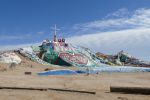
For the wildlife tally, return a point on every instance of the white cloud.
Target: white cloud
(41, 32)
(121, 19)
(15, 47)
(130, 33)
(13, 37)
(123, 12)
(134, 41)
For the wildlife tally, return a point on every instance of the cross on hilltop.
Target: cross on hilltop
(55, 32)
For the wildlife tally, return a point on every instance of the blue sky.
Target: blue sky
(29, 21)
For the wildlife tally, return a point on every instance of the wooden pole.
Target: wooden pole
(70, 90)
(46, 89)
(131, 90)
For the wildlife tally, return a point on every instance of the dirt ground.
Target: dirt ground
(100, 83)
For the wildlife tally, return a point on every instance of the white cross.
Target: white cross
(55, 30)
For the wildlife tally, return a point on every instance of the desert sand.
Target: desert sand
(100, 83)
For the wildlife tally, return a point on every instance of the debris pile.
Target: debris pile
(31, 54)
(9, 57)
(122, 59)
